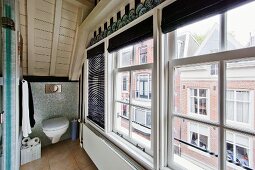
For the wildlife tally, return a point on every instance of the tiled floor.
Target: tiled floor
(65, 155)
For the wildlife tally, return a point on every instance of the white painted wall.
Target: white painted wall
(102, 154)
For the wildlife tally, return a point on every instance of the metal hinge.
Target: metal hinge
(8, 23)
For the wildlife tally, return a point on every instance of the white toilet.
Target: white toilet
(54, 128)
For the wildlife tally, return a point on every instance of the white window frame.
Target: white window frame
(198, 97)
(124, 115)
(122, 89)
(148, 161)
(131, 104)
(249, 147)
(149, 86)
(125, 50)
(198, 132)
(145, 115)
(251, 110)
(221, 58)
(140, 48)
(214, 68)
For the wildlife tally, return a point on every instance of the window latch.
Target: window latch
(8, 23)
(142, 148)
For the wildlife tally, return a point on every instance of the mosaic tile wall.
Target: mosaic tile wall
(52, 105)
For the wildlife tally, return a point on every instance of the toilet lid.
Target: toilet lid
(55, 123)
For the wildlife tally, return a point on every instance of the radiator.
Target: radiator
(102, 154)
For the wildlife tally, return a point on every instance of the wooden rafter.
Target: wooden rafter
(54, 50)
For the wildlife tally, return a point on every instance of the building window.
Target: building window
(238, 149)
(143, 55)
(214, 69)
(133, 98)
(124, 111)
(198, 101)
(199, 136)
(225, 96)
(125, 57)
(124, 83)
(142, 117)
(143, 86)
(238, 106)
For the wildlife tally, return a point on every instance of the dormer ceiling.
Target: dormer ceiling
(49, 30)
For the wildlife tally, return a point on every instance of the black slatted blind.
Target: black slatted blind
(183, 12)
(96, 85)
(137, 33)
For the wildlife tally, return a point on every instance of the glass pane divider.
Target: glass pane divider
(221, 112)
(240, 54)
(194, 119)
(135, 67)
(130, 109)
(134, 105)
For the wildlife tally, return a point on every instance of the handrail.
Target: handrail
(211, 153)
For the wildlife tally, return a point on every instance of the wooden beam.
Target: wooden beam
(30, 35)
(98, 14)
(54, 50)
(75, 40)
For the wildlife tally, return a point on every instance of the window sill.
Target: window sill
(136, 154)
(142, 158)
(247, 126)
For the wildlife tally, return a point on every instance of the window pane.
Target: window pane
(141, 88)
(144, 52)
(141, 126)
(198, 38)
(122, 118)
(196, 92)
(239, 150)
(240, 29)
(141, 53)
(240, 93)
(122, 86)
(192, 142)
(230, 110)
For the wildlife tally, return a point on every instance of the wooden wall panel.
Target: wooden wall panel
(23, 31)
(69, 7)
(67, 32)
(65, 40)
(38, 43)
(40, 50)
(42, 58)
(44, 16)
(65, 47)
(43, 43)
(42, 65)
(45, 6)
(41, 25)
(43, 34)
(63, 60)
(64, 54)
(68, 24)
(68, 15)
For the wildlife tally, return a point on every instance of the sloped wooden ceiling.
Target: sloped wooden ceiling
(49, 30)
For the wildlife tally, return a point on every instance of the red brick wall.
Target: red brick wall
(181, 102)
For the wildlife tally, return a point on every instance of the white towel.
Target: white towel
(26, 128)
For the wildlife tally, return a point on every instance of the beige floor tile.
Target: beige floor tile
(65, 155)
(40, 164)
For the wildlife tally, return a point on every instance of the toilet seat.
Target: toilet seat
(55, 124)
